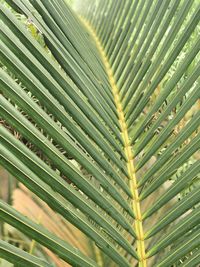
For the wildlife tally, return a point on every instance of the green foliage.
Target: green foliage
(81, 94)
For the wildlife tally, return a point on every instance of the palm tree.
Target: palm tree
(104, 101)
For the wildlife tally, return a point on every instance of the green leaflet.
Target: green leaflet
(175, 188)
(193, 260)
(176, 161)
(40, 234)
(178, 209)
(189, 244)
(169, 87)
(37, 89)
(56, 202)
(113, 94)
(60, 86)
(59, 185)
(155, 17)
(42, 119)
(13, 254)
(179, 229)
(31, 133)
(192, 126)
(171, 57)
(162, 137)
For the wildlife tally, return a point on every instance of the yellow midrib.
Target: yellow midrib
(138, 227)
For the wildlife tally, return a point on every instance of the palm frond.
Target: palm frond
(105, 105)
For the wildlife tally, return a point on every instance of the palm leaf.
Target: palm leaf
(106, 110)
(13, 254)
